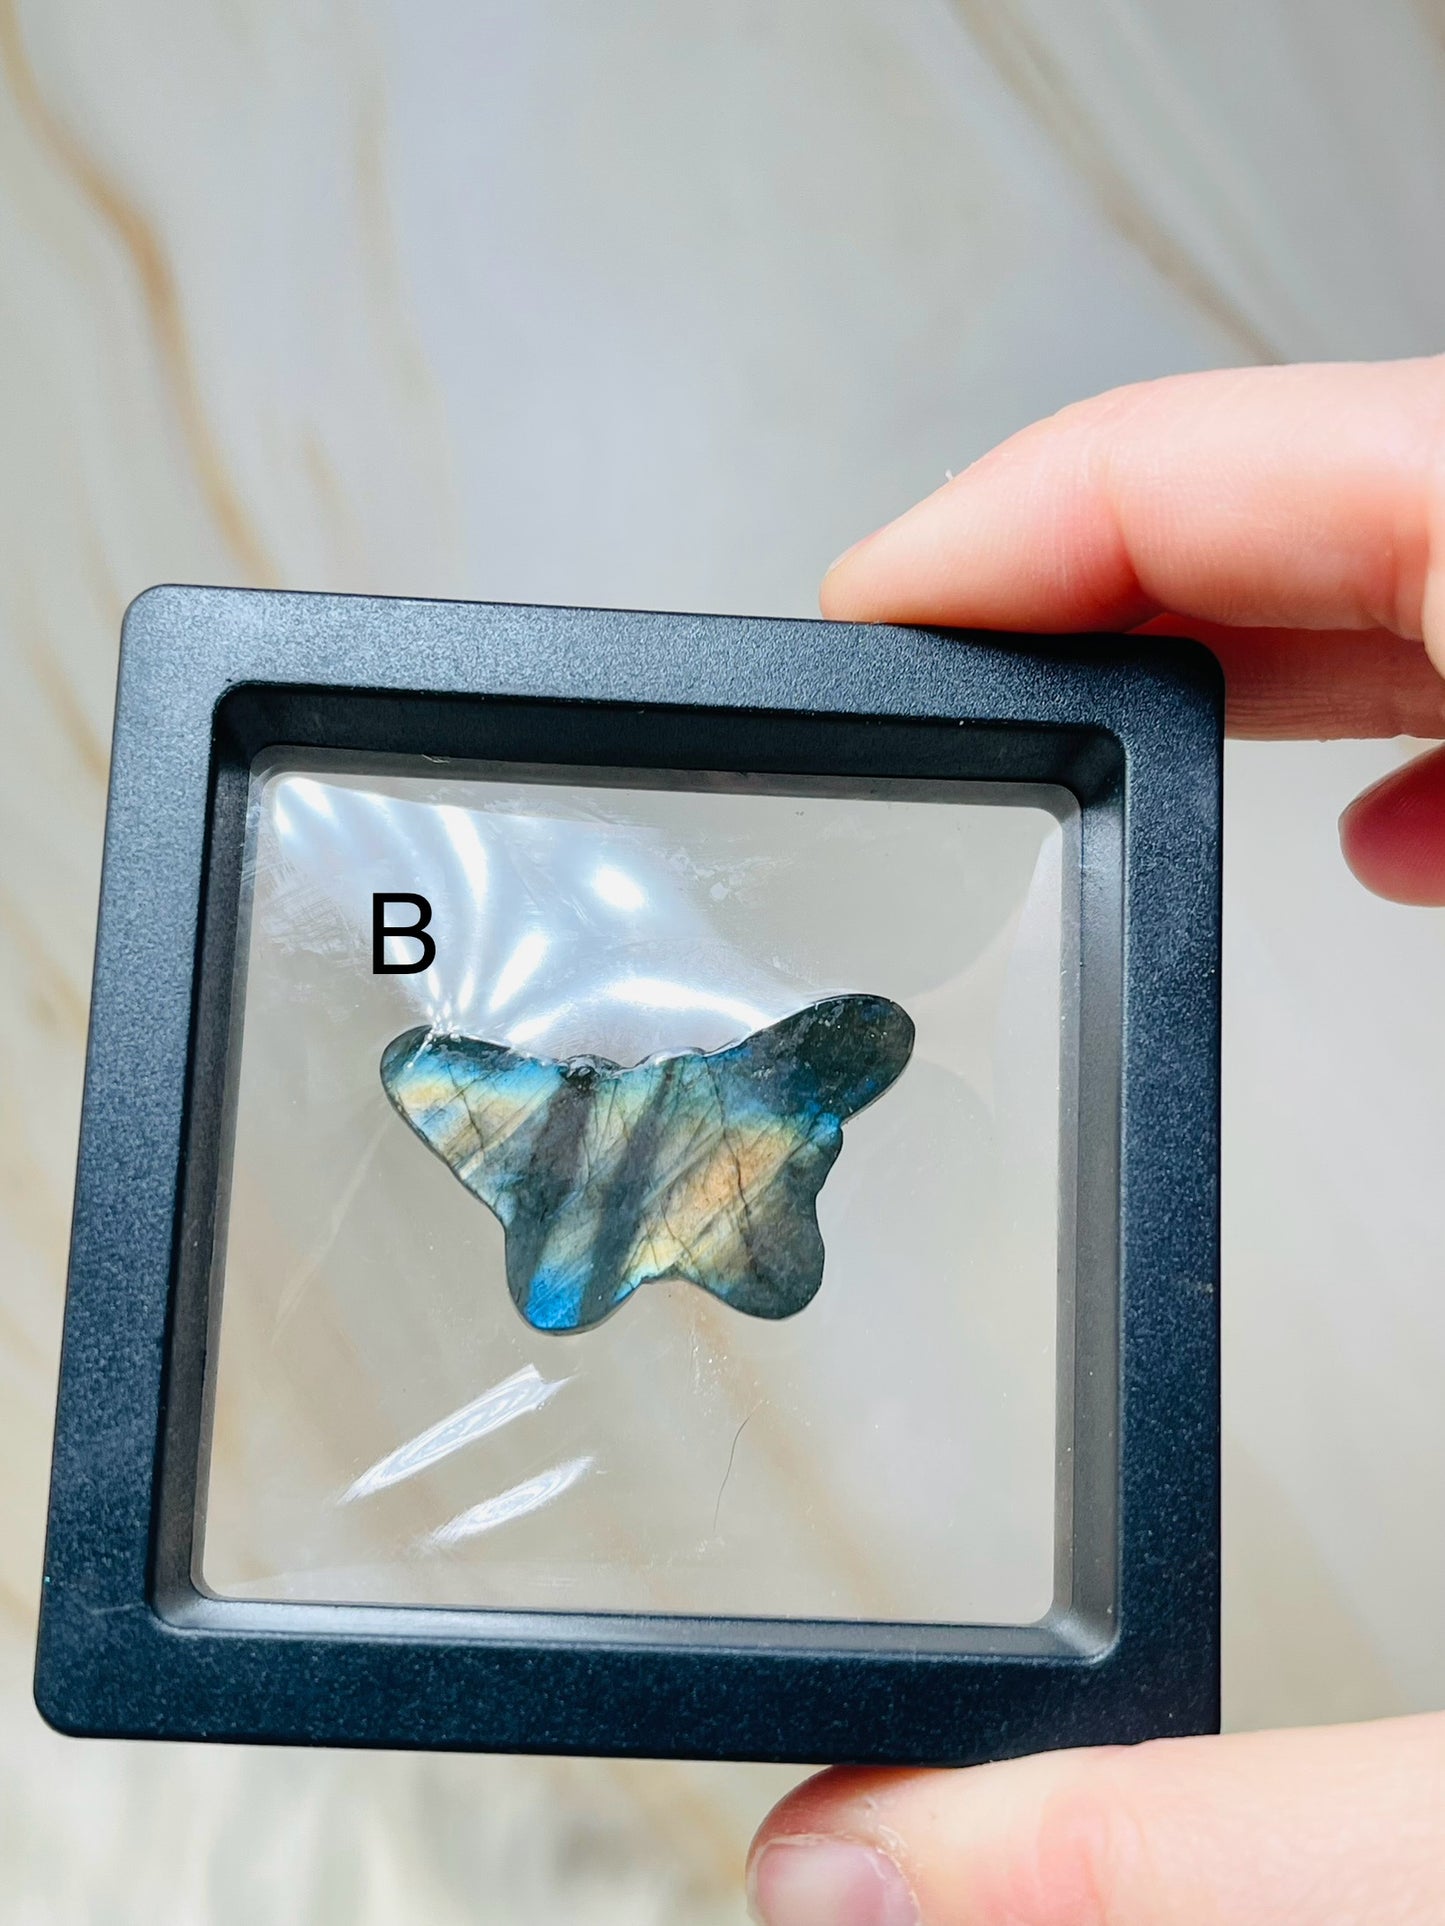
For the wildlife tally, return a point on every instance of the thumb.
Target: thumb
(1339, 1827)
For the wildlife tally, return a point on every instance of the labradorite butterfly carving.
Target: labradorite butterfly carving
(700, 1165)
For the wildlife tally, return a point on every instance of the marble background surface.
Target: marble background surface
(664, 305)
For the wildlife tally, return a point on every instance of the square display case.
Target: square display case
(703, 1416)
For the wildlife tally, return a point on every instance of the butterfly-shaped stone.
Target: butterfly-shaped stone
(701, 1165)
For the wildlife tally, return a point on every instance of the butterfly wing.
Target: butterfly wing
(830, 1060)
(773, 1128)
(530, 1137)
(480, 1106)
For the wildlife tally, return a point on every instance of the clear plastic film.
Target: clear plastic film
(387, 1427)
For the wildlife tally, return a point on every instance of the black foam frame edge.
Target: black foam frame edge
(209, 679)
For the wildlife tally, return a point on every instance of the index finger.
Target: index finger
(1256, 507)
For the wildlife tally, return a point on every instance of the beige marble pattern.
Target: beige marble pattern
(663, 305)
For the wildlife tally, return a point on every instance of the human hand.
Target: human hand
(1293, 519)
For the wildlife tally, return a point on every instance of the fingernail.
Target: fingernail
(838, 561)
(828, 1882)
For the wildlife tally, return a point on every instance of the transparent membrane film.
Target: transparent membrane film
(388, 1427)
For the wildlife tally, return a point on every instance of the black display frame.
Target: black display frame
(210, 680)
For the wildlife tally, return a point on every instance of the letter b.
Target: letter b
(381, 929)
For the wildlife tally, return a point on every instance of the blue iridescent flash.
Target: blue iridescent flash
(705, 1166)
